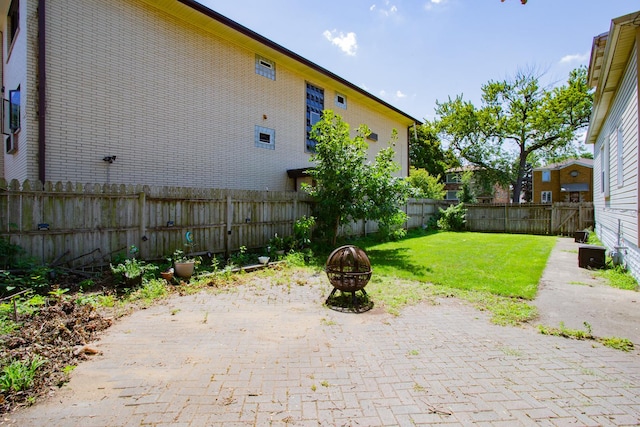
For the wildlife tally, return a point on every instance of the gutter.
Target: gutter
(42, 85)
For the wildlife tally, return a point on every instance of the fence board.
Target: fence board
(92, 223)
(545, 219)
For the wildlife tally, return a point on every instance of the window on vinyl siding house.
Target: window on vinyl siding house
(619, 155)
(13, 22)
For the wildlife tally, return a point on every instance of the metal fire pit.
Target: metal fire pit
(349, 270)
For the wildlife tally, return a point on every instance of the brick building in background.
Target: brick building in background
(568, 181)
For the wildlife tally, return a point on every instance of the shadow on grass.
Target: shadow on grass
(397, 259)
(382, 259)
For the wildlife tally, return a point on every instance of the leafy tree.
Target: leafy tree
(386, 193)
(348, 188)
(426, 152)
(426, 185)
(517, 121)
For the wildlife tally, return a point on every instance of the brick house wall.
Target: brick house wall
(174, 95)
(562, 177)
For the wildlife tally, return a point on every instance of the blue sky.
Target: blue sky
(411, 53)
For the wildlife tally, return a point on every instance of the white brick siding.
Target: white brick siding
(174, 102)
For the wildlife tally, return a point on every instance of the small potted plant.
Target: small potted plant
(183, 265)
(277, 243)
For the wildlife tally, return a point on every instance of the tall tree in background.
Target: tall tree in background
(517, 121)
(426, 152)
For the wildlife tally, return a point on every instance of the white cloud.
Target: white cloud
(578, 57)
(387, 9)
(432, 3)
(346, 42)
(392, 96)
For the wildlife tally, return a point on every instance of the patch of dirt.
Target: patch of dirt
(59, 334)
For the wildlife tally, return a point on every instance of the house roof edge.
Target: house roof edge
(283, 50)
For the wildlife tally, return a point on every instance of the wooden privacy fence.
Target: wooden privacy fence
(419, 212)
(557, 219)
(85, 225)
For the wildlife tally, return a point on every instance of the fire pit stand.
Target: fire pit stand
(349, 270)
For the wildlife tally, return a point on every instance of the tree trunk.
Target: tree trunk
(336, 226)
(517, 186)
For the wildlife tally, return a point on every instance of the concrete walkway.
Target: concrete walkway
(574, 295)
(270, 354)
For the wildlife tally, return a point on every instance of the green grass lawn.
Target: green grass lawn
(502, 264)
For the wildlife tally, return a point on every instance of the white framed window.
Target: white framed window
(604, 167)
(453, 178)
(265, 67)
(14, 110)
(265, 138)
(13, 22)
(546, 176)
(546, 197)
(619, 155)
(341, 101)
(452, 195)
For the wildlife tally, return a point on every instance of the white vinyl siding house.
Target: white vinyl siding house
(614, 132)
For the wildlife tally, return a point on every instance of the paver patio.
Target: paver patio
(272, 354)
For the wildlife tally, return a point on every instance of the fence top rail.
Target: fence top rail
(528, 205)
(164, 192)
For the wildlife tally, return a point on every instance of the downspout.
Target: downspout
(42, 85)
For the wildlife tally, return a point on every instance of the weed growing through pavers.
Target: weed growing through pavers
(325, 384)
(616, 343)
(413, 353)
(419, 388)
(563, 331)
(327, 322)
(511, 352)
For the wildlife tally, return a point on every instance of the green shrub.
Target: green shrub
(19, 374)
(132, 268)
(453, 218)
(9, 253)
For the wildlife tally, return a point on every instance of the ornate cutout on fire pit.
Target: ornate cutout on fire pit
(349, 270)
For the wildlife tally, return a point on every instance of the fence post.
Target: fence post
(142, 199)
(506, 220)
(229, 221)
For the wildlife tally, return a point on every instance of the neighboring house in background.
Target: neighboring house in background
(453, 184)
(613, 72)
(166, 92)
(568, 181)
